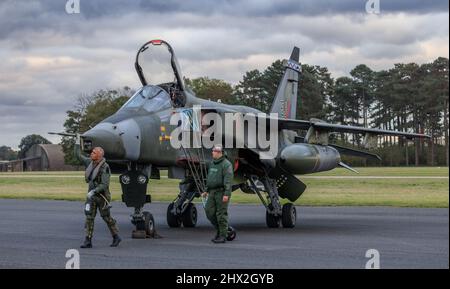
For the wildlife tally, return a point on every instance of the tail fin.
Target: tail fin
(285, 102)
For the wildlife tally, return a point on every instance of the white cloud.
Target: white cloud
(50, 57)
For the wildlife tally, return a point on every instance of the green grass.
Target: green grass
(390, 171)
(400, 192)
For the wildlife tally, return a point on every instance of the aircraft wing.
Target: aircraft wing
(320, 127)
(294, 124)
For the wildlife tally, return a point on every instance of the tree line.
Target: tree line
(407, 97)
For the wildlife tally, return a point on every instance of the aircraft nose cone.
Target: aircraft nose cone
(103, 135)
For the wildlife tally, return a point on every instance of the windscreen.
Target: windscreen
(151, 98)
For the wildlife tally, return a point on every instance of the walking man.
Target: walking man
(218, 190)
(97, 175)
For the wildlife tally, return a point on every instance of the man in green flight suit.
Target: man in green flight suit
(97, 175)
(218, 190)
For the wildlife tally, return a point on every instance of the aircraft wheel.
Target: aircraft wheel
(272, 221)
(138, 234)
(189, 216)
(140, 225)
(173, 221)
(231, 234)
(149, 222)
(289, 215)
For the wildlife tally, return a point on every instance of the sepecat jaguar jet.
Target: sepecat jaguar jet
(140, 140)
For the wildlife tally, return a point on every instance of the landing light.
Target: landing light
(125, 179)
(142, 179)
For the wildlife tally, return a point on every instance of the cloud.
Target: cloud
(250, 8)
(50, 57)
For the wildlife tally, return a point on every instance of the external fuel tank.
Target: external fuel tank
(301, 158)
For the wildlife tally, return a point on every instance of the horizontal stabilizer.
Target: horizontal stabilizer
(355, 153)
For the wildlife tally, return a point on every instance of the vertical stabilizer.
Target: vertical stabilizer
(285, 101)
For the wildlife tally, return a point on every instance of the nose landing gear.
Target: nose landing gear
(145, 226)
(134, 189)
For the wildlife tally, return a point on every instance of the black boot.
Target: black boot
(116, 241)
(219, 240)
(87, 243)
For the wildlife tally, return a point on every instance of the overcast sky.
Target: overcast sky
(49, 57)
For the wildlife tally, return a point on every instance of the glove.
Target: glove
(90, 194)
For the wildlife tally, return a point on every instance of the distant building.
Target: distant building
(40, 157)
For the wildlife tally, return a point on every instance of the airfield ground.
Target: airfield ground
(426, 187)
(37, 233)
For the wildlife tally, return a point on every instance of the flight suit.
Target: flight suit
(218, 184)
(100, 184)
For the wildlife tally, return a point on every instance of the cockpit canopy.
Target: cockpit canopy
(151, 98)
(156, 64)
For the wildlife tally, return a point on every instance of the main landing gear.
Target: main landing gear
(185, 213)
(182, 211)
(276, 215)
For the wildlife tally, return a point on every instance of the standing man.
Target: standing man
(97, 176)
(218, 190)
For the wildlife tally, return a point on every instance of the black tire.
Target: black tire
(272, 221)
(288, 215)
(231, 234)
(140, 225)
(189, 217)
(173, 221)
(149, 222)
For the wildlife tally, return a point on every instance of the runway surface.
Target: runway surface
(37, 234)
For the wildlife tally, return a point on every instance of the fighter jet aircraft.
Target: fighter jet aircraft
(137, 143)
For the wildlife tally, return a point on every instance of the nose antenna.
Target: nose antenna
(62, 133)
